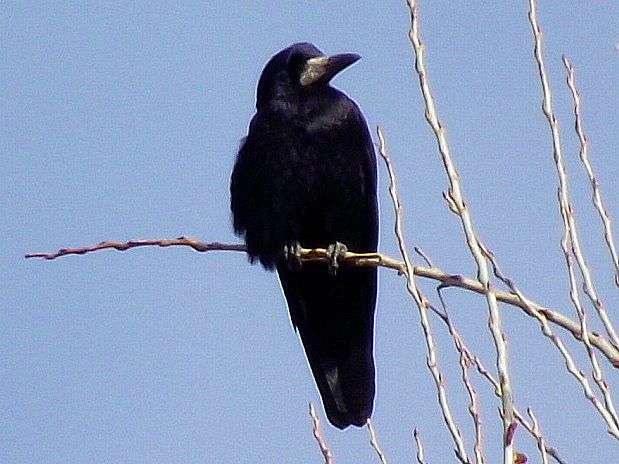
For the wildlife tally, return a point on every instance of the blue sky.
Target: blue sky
(121, 121)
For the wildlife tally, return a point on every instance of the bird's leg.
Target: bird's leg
(334, 251)
(292, 255)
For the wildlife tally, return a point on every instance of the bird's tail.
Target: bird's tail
(335, 319)
(345, 382)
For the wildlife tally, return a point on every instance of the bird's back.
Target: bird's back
(306, 172)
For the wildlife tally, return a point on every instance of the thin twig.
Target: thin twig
(475, 361)
(419, 444)
(598, 375)
(540, 438)
(584, 157)
(374, 443)
(455, 193)
(566, 208)
(570, 364)
(123, 246)
(317, 431)
(465, 364)
(422, 306)
(570, 236)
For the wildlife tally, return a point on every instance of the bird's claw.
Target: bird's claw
(292, 255)
(334, 251)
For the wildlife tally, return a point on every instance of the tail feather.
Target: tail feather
(347, 389)
(335, 319)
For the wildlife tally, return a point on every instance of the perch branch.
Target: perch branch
(362, 259)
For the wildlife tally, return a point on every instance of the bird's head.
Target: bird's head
(300, 67)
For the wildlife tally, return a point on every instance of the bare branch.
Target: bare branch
(420, 453)
(457, 202)
(598, 375)
(540, 439)
(364, 259)
(475, 361)
(566, 208)
(570, 236)
(465, 363)
(570, 364)
(317, 431)
(123, 246)
(422, 306)
(584, 157)
(374, 443)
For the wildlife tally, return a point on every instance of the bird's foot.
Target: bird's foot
(334, 251)
(292, 255)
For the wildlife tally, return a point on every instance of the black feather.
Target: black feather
(306, 173)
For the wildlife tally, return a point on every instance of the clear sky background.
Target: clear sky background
(121, 120)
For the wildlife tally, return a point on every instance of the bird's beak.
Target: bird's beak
(324, 68)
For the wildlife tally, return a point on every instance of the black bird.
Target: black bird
(305, 175)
